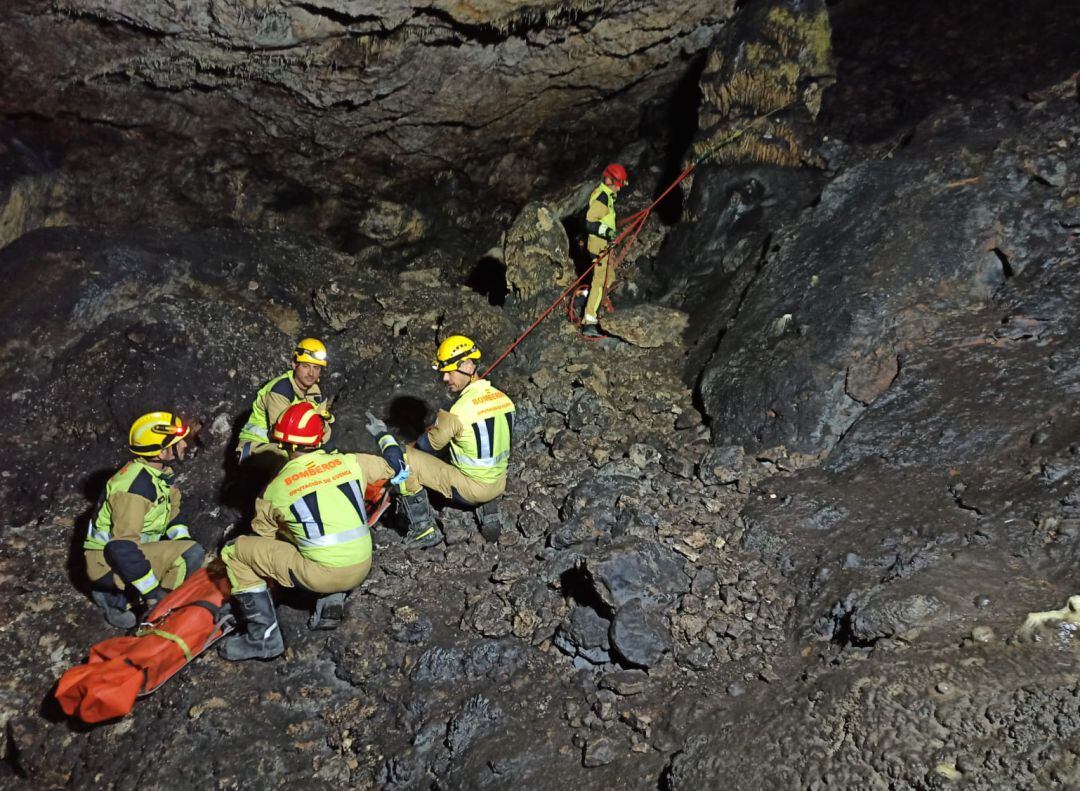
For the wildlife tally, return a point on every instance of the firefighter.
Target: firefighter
(311, 532)
(136, 547)
(476, 431)
(601, 226)
(301, 383)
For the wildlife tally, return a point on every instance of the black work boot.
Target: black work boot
(115, 607)
(490, 517)
(591, 331)
(262, 637)
(329, 612)
(423, 531)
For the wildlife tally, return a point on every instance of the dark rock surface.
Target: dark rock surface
(895, 247)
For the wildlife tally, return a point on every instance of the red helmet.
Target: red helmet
(616, 173)
(301, 424)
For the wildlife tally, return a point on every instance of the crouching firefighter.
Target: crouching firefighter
(301, 383)
(311, 533)
(136, 547)
(476, 430)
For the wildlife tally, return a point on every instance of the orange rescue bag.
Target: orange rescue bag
(183, 625)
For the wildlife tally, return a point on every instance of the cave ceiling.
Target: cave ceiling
(233, 106)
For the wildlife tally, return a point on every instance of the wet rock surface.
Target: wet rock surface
(805, 567)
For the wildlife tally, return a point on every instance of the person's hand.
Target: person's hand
(401, 476)
(375, 427)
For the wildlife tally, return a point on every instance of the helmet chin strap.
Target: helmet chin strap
(173, 459)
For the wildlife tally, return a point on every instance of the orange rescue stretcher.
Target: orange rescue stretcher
(184, 624)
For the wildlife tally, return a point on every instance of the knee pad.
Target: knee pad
(124, 555)
(193, 558)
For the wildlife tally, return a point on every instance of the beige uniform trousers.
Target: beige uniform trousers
(600, 280)
(433, 473)
(163, 557)
(252, 560)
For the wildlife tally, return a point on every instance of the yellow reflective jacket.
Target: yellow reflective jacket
(480, 448)
(600, 219)
(273, 398)
(139, 503)
(319, 498)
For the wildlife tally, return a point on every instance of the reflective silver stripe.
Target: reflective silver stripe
(465, 461)
(93, 534)
(311, 527)
(484, 451)
(335, 538)
(147, 583)
(387, 441)
(179, 531)
(355, 489)
(258, 431)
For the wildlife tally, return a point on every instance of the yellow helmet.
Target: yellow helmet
(452, 351)
(310, 350)
(155, 431)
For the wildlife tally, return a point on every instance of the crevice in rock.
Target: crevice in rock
(516, 26)
(11, 755)
(106, 22)
(957, 496)
(763, 257)
(1006, 265)
(844, 633)
(575, 584)
(680, 121)
(339, 16)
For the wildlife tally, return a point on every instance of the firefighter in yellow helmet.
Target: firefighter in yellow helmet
(311, 532)
(301, 383)
(136, 547)
(601, 225)
(476, 432)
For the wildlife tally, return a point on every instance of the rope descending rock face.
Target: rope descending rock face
(631, 227)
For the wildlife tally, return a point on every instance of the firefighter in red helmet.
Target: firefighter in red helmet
(311, 532)
(600, 223)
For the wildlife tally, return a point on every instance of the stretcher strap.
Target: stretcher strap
(173, 638)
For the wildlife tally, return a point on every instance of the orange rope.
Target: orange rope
(633, 225)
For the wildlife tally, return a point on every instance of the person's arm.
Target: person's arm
(267, 520)
(128, 515)
(177, 525)
(274, 404)
(123, 552)
(447, 426)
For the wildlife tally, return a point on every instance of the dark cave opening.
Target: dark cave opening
(677, 122)
(488, 278)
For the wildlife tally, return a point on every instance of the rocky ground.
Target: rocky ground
(784, 534)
